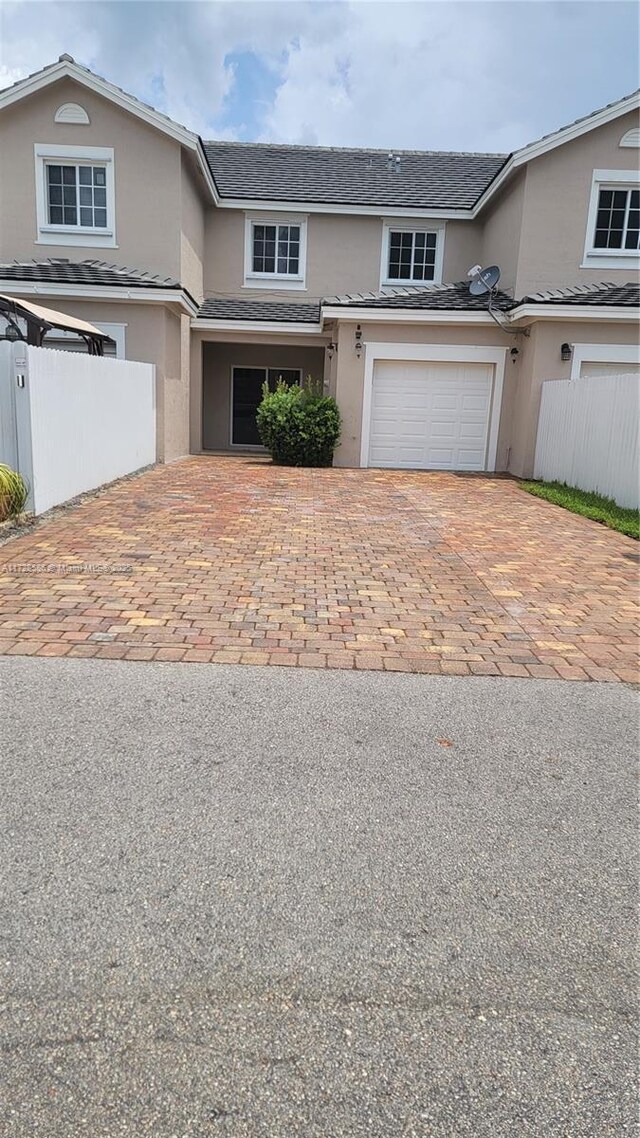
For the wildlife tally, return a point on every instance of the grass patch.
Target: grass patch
(589, 504)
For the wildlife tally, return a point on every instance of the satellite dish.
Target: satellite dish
(485, 280)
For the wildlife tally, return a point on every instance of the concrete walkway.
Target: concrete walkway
(237, 561)
(258, 903)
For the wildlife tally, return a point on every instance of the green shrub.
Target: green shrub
(13, 492)
(299, 425)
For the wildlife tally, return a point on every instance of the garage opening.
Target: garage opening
(430, 415)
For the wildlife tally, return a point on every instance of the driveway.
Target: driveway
(242, 902)
(237, 561)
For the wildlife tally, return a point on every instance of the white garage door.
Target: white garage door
(430, 415)
(591, 367)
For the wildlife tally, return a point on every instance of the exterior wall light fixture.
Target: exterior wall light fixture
(358, 341)
(566, 351)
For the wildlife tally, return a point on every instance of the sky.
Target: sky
(479, 75)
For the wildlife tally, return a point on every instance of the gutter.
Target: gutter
(103, 292)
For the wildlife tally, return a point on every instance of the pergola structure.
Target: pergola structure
(30, 322)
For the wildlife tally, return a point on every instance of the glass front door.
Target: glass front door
(246, 395)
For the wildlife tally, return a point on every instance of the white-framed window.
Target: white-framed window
(75, 195)
(412, 253)
(604, 359)
(613, 224)
(275, 252)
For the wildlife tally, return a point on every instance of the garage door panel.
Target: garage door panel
(441, 401)
(389, 456)
(475, 403)
(433, 416)
(473, 431)
(443, 430)
(401, 425)
(440, 456)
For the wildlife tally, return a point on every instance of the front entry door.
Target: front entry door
(246, 396)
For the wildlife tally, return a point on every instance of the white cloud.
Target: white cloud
(480, 75)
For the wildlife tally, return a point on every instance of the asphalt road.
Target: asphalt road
(278, 903)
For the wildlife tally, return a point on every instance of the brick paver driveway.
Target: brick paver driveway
(233, 560)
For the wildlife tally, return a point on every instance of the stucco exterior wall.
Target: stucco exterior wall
(344, 255)
(556, 205)
(147, 180)
(462, 249)
(176, 391)
(501, 226)
(217, 362)
(223, 252)
(192, 215)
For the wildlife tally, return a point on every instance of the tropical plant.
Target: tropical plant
(13, 492)
(299, 426)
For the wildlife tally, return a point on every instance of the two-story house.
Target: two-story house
(228, 264)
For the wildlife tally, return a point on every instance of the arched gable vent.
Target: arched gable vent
(631, 138)
(71, 112)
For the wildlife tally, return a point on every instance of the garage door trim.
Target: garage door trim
(603, 353)
(439, 353)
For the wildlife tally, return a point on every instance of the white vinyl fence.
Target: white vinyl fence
(71, 422)
(588, 435)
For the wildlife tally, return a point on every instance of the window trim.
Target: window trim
(88, 237)
(253, 367)
(408, 225)
(608, 258)
(603, 353)
(275, 281)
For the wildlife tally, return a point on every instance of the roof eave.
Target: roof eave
(380, 315)
(552, 141)
(529, 313)
(275, 327)
(277, 205)
(139, 294)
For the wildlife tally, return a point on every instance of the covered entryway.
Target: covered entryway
(233, 375)
(430, 414)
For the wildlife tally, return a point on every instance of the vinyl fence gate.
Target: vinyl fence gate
(588, 435)
(71, 422)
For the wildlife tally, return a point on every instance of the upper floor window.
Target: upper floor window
(275, 252)
(77, 195)
(618, 219)
(411, 255)
(276, 249)
(75, 200)
(613, 225)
